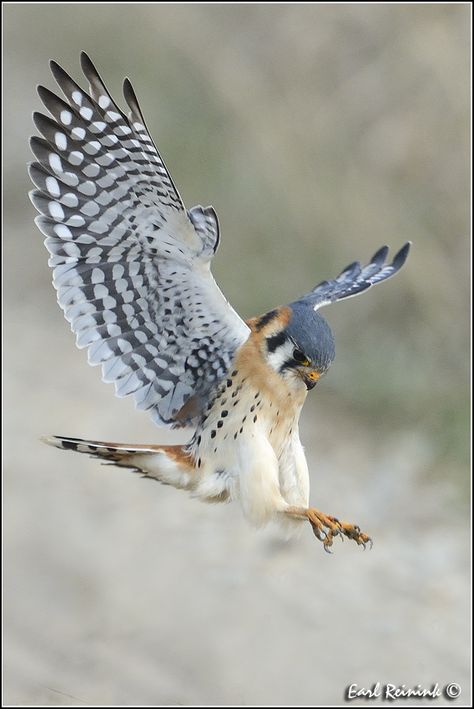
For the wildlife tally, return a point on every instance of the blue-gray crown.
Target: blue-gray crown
(311, 334)
(309, 330)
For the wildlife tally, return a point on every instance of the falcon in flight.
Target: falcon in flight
(131, 266)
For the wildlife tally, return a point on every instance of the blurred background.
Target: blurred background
(319, 133)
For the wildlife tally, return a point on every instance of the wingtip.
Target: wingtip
(86, 61)
(33, 140)
(44, 93)
(32, 194)
(128, 92)
(380, 255)
(56, 70)
(401, 256)
(131, 99)
(49, 440)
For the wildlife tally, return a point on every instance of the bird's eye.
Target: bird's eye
(301, 358)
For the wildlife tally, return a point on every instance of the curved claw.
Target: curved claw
(364, 541)
(334, 527)
(319, 532)
(329, 540)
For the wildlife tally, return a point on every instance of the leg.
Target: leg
(326, 527)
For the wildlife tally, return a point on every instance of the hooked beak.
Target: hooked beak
(310, 377)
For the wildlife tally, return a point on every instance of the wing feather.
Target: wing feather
(130, 265)
(355, 279)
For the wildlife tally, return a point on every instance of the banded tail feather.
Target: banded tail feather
(171, 465)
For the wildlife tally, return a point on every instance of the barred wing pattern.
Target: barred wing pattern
(355, 279)
(131, 265)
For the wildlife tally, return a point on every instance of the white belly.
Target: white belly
(251, 454)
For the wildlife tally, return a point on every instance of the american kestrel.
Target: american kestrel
(132, 272)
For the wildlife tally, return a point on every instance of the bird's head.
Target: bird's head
(303, 348)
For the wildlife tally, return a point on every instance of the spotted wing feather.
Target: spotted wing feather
(355, 279)
(131, 265)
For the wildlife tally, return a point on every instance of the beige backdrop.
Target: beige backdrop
(318, 132)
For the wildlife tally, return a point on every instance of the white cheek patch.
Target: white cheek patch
(280, 355)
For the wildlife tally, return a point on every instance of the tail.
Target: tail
(171, 465)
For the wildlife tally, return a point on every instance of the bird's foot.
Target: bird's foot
(326, 527)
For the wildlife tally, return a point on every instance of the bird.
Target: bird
(132, 270)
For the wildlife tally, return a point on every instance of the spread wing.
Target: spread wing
(355, 279)
(131, 265)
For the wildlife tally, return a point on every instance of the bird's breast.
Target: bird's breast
(242, 410)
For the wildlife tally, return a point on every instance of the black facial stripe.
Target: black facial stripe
(265, 319)
(276, 341)
(289, 364)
